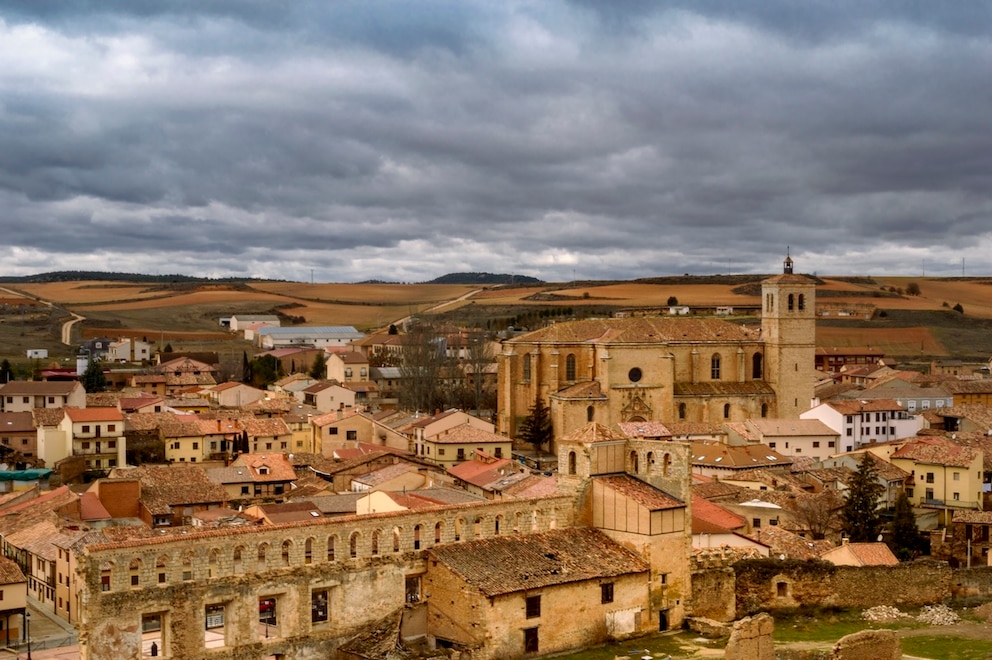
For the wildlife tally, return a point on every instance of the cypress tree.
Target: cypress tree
(861, 518)
(536, 427)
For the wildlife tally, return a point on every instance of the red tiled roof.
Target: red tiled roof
(936, 451)
(466, 433)
(644, 494)
(715, 515)
(95, 414)
(278, 466)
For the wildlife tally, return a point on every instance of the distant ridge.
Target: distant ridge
(484, 278)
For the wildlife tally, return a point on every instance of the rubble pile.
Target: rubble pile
(883, 613)
(938, 615)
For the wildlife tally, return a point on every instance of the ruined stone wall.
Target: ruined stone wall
(713, 594)
(772, 584)
(972, 582)
(361, 565)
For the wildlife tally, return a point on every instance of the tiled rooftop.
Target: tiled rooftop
(644, 494)
(639, 331)
(506, 564)
(936, 451)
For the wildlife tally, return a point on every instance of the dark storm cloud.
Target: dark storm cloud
(404, 140)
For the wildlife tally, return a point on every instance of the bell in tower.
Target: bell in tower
(787, 264)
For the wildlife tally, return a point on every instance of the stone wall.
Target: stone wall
(366, 568)
(973, 582)
(768, 584)
(713, 594)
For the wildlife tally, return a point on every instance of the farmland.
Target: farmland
(908, 326)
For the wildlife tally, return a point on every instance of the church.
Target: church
(668, 369)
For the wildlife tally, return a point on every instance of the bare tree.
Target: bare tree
(819, 513)
(479, 358)
(423, 366)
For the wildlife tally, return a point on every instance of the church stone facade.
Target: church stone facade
(666, 368)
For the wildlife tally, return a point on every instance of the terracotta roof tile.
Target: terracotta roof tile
(936, 451)
(95, 414)
(165, 487)
(10, 572)
(465, 433)
(644, 494)
(640, 330)
(644, 429)
(506, 564)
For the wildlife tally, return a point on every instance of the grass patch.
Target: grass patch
(829, 625)
(946, 647)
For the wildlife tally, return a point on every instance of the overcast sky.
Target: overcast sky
(562, 140)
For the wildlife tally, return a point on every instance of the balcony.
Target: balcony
(950, 504)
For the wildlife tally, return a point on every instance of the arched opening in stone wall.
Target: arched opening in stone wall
(375, 541)
(570, 367)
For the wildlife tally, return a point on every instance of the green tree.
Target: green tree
(393, 330)
(318, 370)
(958, 308)
(93, 379)
(672, 300)
(246, 374)
(536, 427)
(264, 371)
(6, 371)
(913, 289)
(167, 349)
(905, 542)
(860, 517)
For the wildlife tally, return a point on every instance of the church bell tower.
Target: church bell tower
(788, 329)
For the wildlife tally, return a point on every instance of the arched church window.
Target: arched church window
(756, 370)
(681, 411)
(571, 462)
(590, 413)
(792, 302)
(715, 367)
(802, 302)
(726, 411)
(570, 367)
(527, 367)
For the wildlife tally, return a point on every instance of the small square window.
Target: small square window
(606, 592)
(533, 607)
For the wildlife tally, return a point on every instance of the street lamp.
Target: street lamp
(27, 627)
